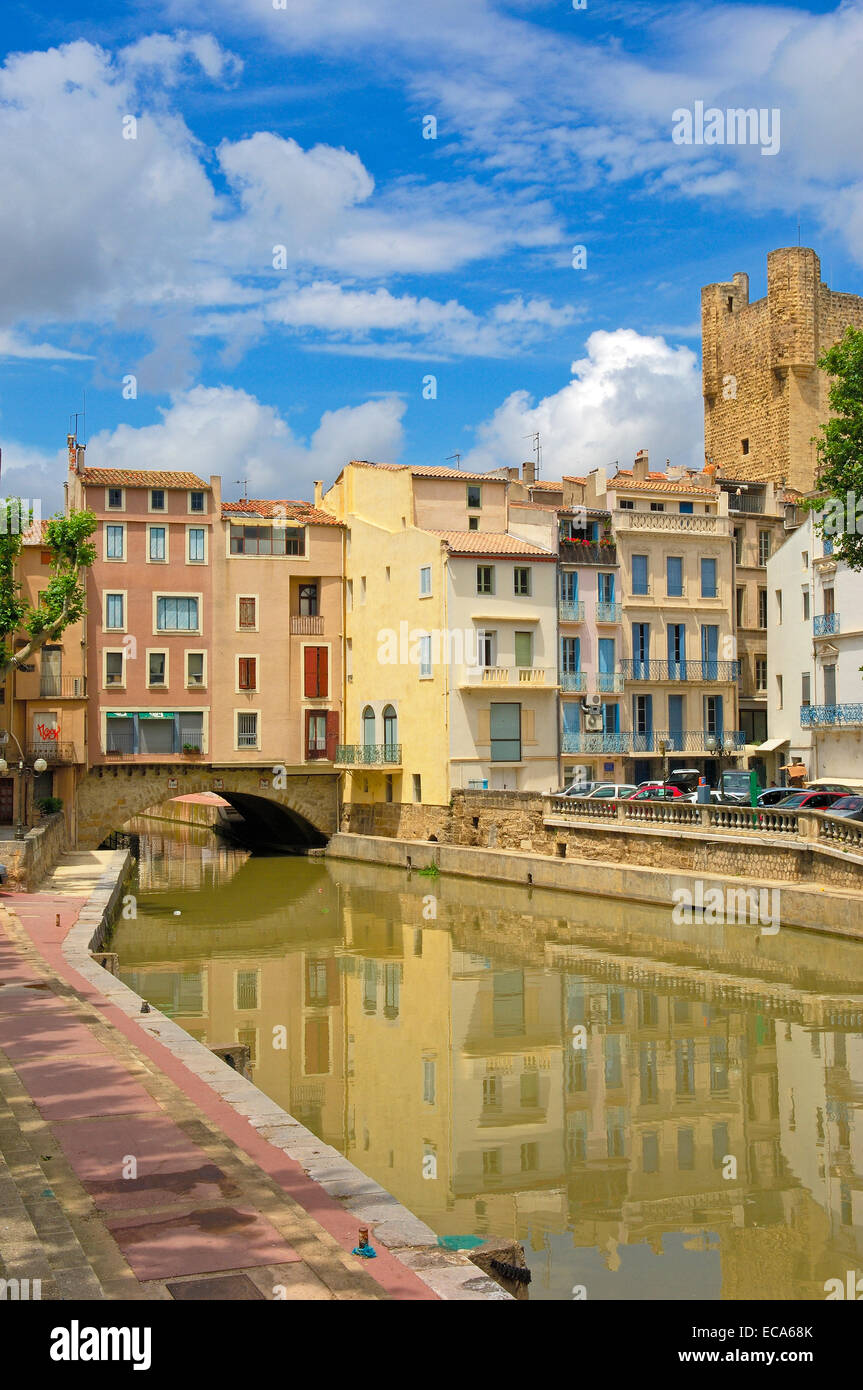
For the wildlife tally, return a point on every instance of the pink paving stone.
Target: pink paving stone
(54, 1032)
(67, 1089)
(199, 1242)
(170, 1168)
(16, 973)
(25, 1001)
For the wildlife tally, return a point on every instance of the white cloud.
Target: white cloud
(630, 392)
(13, 345)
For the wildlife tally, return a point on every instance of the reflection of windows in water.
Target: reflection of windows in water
(491, 1164)
(317, 991)
(718, 1064)
(575, 1003)
(576, 1069)
(846, 1214)
(429, 1081)
(686, 1150)
(530, 1089)
(720, 1144)
(247, 989)
(491, 1093)
(650, 1152)
(684, 1067)
(681, 1011)
(615, 1130)
(317, 1045)
(370, 987)
(392, 987)
(648, 1009)
(576, 1137)
(529, 1158)
(508, 1008)
(615, 1004)
(648, 1073)
(249, 1038)
(613, 1061)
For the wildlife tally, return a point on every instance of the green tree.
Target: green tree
(62, 603)
(838, 509)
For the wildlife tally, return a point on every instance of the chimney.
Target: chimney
(79, 457)
(640, 467)
(319, 492)
(70, 445)
(528, 471)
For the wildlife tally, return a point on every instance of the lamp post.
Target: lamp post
(714, 747)
(23, 770)
(663, 750)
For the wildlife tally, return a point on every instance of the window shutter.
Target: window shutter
(310, 671)
(483, 733)
(323, 671)
(332, 733)
(528, 725)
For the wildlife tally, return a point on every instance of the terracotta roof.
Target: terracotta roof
(490, 543)
(139, 477)
(281, 510)
(572, 478)
(430, 471)
(548, 487)
(660, 483)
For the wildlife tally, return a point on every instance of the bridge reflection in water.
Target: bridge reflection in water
(706, 1142)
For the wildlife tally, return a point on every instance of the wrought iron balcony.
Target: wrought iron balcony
(587, 552)
(53, 687)
(571, 682)
(830, 716)
(688, 741)
(825, 624)
(704, 671)
(569, 612)
(608, 612)
(609, 682)
(54, 752)
(369, 754)
(595, 743)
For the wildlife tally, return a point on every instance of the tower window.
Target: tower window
(744, 444)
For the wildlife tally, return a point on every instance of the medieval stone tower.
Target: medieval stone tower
(764, 395)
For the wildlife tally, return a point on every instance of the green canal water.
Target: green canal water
(657, 1111)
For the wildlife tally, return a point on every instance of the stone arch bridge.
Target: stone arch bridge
(299, 808)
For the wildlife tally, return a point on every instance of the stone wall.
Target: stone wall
(396, 820)
(28, 861)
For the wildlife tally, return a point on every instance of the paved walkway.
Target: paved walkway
(120, 1178)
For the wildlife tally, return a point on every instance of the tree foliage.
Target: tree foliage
(62, 602)
(838, 508)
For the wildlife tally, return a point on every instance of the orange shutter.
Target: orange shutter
(310, 671)
(332, 733)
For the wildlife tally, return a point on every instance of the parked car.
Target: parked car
(851, 807)
(579, 789)
(808, 801)
(771, 795)
(658, 791)
(609, 790)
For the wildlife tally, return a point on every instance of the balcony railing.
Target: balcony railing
(825, 624)
(369, 754)
(53, 687)
(570, 612)
(827, 716)
(52, 751)
(571, 682)
(671, 521)
(595, 743)
(609, 682)
(706, 671)
(307, 626)
(506, 675)
(608, 612)
(587, 552)
(687, 741)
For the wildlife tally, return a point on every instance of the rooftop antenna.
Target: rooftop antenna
(244, 484)
(537, 450)
(457, 458)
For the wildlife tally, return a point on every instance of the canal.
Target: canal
(656, 1111)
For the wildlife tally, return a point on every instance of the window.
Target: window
(761, 673)
(805, 688)
(115, 542)
(806, 605)
(570, 655)
(639, 574)
(657, 506)
(247, 673)
(486, 648)
(114, 668)
(521, 581)
(268, 540)
(524, 649)
(505, 725)
(425, 657)
(829, 685)
(157, 499)
(763, 547)
(115, 498)
(418, 787)
(425, 581)
(741, 601)
(708, 578)
(197, 545)
(247, 730)
(762, 607)
(175, 614)
(316, 733)
(194, 668)
(362, 588)
(196, 501)
(308, 600)
(315, 672)
(805, 559)
(738, 544)
(156, 668)
(778, 606)
(247, 614)
(744, 446)
(115, 614)
(473, 523)
(474, 496)
(157, 544)
(485, 579)
(779, 693)
(626, 504)
(391, 727)
(674, 576)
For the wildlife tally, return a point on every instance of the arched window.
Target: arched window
(391, 727)
(369, 727)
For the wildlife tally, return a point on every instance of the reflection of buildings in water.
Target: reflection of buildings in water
(184, 857)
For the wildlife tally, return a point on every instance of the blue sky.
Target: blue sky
(302, 128)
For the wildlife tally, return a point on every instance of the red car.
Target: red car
(656, 791)
(807, 801)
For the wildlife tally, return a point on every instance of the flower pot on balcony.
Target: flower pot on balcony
(191, 750)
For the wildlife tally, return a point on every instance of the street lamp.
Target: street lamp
(23, 770)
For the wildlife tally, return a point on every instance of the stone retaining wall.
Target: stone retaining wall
(28, 861)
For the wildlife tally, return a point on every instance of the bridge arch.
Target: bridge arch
(108, 796)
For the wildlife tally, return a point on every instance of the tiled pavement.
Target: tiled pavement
(114, 1183)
